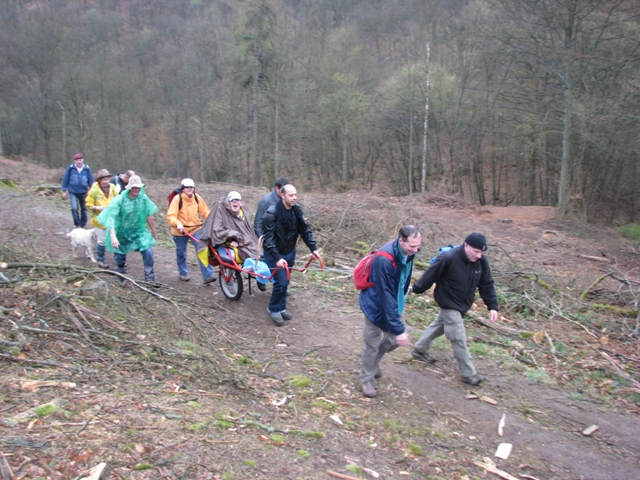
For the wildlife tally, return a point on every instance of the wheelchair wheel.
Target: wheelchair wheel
(230, 282)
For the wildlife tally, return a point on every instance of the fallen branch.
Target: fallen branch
(619, 369)
(98, 316)
(584, 294)
(595, 259)
(5, 468)
(497, 471)
(611, 308)
(502, 328)
(43, 363)
(52, 473)
(79, 326)
(331, 473)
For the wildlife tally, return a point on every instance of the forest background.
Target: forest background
(525, 102)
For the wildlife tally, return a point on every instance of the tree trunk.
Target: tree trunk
(423, 179)
(254, 111)
(563, 188)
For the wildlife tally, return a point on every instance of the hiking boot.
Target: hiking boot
(378, 373)
(262, 286)
(369, 390)
(474, 380)
(102, 264)
(209, 280)
(286, 315)
(423, 357)
(185, 278)
(277, 318)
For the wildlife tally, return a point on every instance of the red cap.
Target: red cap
(78, 156)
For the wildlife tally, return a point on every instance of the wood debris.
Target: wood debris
(34, 385)
(336, 419)
(96, 472)
(497, 471)
(371, 473)
(331, 473)
(489, 400)
(590, 430)
(501, 424)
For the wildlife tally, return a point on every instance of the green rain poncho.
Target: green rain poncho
(129, 219)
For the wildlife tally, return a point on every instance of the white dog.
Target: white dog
(83, 238)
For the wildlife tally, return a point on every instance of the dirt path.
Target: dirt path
(543, 423)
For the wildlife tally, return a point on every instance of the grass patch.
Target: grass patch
(299, 381)
(49, 409)
(194, 427)
(245, 361)
(303, 454)
(416, 450)
(478, 348)
(538, 376)
(630, 231)
(391, 424)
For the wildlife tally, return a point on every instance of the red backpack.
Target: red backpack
(363, 270)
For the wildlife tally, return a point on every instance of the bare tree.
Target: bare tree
(565, 44)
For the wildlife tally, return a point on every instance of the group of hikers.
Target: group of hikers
(119, 206)
(122, 216)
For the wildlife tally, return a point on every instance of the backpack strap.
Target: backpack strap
(388, 256)
(195, 195)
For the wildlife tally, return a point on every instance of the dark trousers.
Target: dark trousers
(278, 301)
(78, 208)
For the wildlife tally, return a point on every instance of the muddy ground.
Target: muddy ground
(285, 402)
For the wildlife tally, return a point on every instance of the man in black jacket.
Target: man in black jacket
(457, 273)
(121, 180)
(282, 223)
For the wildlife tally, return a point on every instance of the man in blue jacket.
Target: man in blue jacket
(269, 199)
(76, 182)
(383, 304)
(457, 274)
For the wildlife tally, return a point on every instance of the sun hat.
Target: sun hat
(233, 195)
(135, 182)
(476, 240)
(103, 172)
(187, 182)
(78, 156)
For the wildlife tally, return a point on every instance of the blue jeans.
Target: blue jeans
(181, 242)
(78, 208)
(278, 301)
(147, 261)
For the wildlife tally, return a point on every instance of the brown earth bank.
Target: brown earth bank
(179, 382)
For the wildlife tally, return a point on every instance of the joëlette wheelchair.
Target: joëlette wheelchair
(230, 270)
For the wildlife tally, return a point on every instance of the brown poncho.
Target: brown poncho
(223, 226)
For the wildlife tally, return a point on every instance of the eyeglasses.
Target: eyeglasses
(189, 188)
